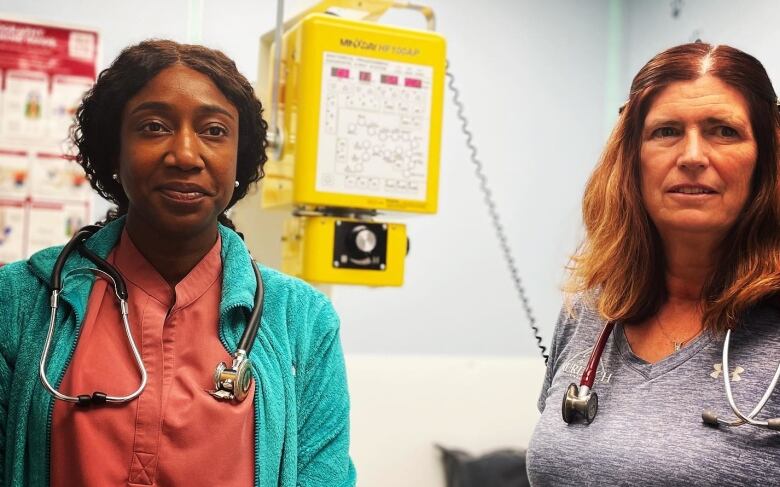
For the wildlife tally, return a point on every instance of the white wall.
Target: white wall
(120, 23)
(532, 77)
(403, 405)
(748, 25)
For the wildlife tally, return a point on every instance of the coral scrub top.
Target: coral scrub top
(174, 433)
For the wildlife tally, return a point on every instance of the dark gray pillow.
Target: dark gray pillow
(501, 468)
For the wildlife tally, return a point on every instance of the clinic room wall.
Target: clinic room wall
(532, 79)
(649, 27)
(532, 76)
(535, 78)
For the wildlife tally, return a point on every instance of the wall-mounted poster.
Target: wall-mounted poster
(45, 68)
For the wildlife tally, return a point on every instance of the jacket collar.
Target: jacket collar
(76, 294)
(238, 280)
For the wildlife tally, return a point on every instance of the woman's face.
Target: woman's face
(178, 152)
(697, 158)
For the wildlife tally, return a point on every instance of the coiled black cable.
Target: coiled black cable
(493, 211)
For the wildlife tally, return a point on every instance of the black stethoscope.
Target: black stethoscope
(582, 402)
(230, 383)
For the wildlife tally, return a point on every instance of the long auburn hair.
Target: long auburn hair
(620, 265)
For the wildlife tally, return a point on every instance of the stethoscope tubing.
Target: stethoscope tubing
(253, 325)
(50, 333)
(230, 382)
(750, 418)
(584, 391)
(589, 374)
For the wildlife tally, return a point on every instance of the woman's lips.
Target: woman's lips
(184, 192)
(691, 194)
(691, 189)
(182, 195)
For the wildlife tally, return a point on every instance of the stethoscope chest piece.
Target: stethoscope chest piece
(579, 403)
(233, 383)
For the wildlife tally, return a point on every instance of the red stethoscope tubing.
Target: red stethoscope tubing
(589, 375)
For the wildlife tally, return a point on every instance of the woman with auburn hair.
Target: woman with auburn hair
(184, 363)
(681, 263)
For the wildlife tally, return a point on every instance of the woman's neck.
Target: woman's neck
(689, 263)
(171, 252)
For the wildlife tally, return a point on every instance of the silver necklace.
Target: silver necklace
(677, 344)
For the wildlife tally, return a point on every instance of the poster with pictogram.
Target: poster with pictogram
(45, 69)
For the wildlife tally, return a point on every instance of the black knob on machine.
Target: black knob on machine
(360, 245)
(362, 240)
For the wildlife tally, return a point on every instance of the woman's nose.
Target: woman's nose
(184, 152)
(694, 152)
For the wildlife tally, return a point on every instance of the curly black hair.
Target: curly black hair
(95, 133)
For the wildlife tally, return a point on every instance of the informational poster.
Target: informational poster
(53, 223)
(25, 94)
(14, 174)
(12, 228)
(375, 128)
(45, 69)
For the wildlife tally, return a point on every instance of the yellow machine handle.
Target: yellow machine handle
(427, 12)
(372, 10)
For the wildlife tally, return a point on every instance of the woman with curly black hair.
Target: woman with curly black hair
(172, 134)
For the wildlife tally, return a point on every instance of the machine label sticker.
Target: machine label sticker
(374, 127)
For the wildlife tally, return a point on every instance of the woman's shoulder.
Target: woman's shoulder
(765, 314)
(300, 303)
(579, 322)
(17, 277)
(579, 311)
(20, 293)
(298, 314)
(287, 288)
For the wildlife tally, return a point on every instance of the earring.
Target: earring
(115, 177)
(237, 183)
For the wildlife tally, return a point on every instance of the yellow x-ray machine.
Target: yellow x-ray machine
(355, 130)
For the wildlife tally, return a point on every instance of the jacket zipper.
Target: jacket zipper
(223, 340)
(57, 382)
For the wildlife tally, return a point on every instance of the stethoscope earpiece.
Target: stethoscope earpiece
(709, 417)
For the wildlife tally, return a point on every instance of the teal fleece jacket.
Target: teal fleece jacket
(301, 400)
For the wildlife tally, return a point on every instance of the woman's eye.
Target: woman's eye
(153, 127)
(215, 131)
(727, 132)
(664, 132)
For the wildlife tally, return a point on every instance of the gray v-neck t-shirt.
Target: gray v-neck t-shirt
(649, 428)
